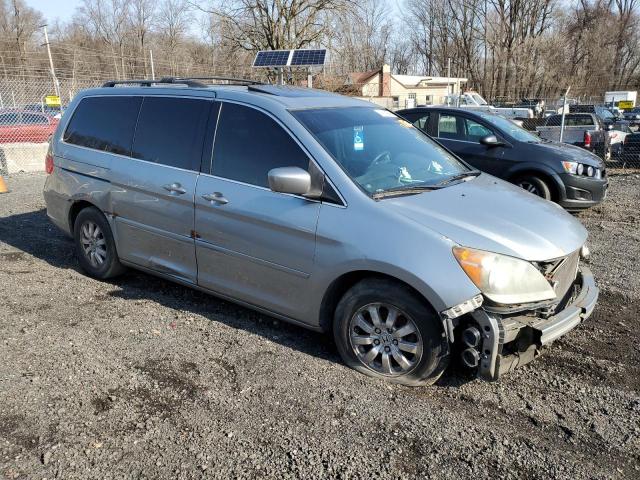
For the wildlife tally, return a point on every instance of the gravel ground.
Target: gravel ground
(141, 378)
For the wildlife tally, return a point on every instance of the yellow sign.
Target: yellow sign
(52, 100)
(625, 104)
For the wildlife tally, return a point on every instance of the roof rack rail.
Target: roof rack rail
(241, 81)
(149, 83)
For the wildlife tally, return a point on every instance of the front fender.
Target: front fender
(533, 167)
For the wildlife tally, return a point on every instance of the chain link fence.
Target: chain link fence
(28, 118)
(29, 114)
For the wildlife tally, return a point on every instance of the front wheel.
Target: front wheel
(95, 248)
(385, 331)
(535, 185)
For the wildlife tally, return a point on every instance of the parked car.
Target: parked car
(570, 176)
(325, 211)
(633, 116)
(617, 135)
(585, 130)
(474, 101)
(55, 112)
(24, 126)
(630, 149)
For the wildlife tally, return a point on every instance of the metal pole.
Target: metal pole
(53, 71)
(564, 107)
(153, 70)
(449, 76)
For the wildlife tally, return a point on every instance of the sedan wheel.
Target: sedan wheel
(529, 187)
(535, 185)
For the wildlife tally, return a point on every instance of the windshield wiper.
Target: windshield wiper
(403, 190)
(460, 176)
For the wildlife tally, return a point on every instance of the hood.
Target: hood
(489, 214)
(569, 153)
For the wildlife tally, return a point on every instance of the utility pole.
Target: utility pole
(564, 107)
(153, 70)
(53, 72)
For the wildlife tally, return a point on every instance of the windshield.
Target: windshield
(379, 150)
(479, 100)
(511, 129)
(606, 114)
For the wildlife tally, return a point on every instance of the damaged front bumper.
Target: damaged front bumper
(508, 342)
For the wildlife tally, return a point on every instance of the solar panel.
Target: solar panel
(272, 58)
(308, 57)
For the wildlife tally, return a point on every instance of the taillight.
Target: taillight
(48, 162)
(587, 140)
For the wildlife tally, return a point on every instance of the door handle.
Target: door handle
(215, 197)
(174, 188)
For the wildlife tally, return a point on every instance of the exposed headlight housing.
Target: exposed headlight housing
(503, 279)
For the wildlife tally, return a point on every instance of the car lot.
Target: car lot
(139, 378)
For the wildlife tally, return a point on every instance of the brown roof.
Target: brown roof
(361, 77)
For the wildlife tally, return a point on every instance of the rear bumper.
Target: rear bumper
(510, 342)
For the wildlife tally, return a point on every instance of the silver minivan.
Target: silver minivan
(322, 210)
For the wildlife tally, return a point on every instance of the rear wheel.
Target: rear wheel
(535, 185)
(385, 331)
(95, 248)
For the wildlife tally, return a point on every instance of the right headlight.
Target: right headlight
(503, 279)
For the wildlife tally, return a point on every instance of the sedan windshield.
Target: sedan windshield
(510, 128)
(380, 151)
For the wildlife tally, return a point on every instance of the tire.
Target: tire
(430, 356)
(534, 185)
(95, 248)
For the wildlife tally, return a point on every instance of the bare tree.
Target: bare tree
(273, 24)
(142, 15)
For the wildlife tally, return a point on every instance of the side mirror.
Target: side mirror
(609, 126)
(491, 141)
(293, 180)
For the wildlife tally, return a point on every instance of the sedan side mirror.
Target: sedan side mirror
(491, 141)
(292, 180)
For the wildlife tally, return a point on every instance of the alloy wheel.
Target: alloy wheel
(530, 187)
(385, 339)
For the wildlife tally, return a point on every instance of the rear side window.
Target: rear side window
(450, 127)
(418, 119)
(104, 123)
(171, 131)
(249, 143)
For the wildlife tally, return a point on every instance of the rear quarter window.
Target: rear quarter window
(104, 123)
